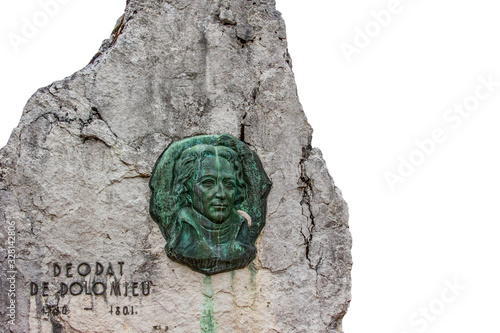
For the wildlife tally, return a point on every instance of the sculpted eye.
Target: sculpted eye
(208, 182)
(229, 185)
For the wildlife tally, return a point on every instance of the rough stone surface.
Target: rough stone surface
(74, 176)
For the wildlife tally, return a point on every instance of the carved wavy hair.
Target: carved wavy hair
(186, 169)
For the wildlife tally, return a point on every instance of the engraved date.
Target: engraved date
(54, 310)
(123, 310)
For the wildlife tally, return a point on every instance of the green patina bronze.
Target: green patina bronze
(209, 198)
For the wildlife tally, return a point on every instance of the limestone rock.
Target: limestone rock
(73, 181)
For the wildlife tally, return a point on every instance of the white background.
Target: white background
(439, 224)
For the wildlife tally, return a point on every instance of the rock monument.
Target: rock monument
(80, 250)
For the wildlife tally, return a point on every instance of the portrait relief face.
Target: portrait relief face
(208, 196)
(214, 188)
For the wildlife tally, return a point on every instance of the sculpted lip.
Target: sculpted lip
(217, 205)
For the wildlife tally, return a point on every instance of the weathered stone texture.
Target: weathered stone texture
(74, 177)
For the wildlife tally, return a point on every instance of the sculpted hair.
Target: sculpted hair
(185, 171)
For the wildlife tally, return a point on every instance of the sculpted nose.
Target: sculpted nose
(220, 193)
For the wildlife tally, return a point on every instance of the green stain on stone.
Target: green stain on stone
(233, 275)
(253, 274)
(208, 322)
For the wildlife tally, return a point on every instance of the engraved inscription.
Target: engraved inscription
(106, 281)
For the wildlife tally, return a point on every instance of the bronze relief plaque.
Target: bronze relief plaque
(209, 198)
